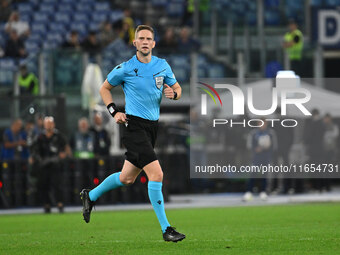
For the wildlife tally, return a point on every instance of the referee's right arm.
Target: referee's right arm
(105, 92)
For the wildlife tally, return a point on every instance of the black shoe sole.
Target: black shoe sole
(175, 241)
(82, 198)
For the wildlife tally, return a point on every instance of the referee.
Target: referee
(144, 78)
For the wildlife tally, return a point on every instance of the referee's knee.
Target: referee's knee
(127, 180)
(156, 177)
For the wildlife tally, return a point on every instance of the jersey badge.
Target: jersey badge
(159, 81)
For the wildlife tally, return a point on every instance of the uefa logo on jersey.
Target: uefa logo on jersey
(159, 81)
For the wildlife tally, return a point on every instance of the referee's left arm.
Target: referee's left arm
(177, 88)
(174, 92)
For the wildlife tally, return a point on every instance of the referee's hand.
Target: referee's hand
(168, 92)
(120, 118)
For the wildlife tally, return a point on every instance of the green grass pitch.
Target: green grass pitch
(289, 229)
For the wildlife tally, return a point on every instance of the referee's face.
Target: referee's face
(144, 42)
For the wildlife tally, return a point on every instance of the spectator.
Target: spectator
(330, 139)
(102, 140)
(189, 7)
(293, 43)
(47, 152)
(262, 142)
(106, 35)
(14, 142)
(330, 145)
(15, 46)
(5, 10)
(82, 142)
(186, 43)
(168, 43)
(2, 52)
(314, 142)
(31, 133)
(14, 23)
(285, 139)
(91, 45)
(39, 123)
(24, 134)
(127, 33)
(73, 41)
(314, 137)
(28, 82)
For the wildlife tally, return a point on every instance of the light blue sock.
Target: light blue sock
(110, 182)
(157, 201)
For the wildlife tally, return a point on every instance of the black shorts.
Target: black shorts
(139, 138)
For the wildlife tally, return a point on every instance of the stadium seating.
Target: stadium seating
(62, 17)
(32, 46)
(25, 7)
(81, 17)
(116, 15)
(34, 2)
(175, 8)
(182, 74)
(159, 3)
(39, 28)
(49, 45)
(2, 39)
(48, 1)
(272, 18)
(102, 6)
(47, 8)
(7, 63)
(80, 7)
(42, 17)
(332, 3)
(50, 21)
(100, 16)
(66, 7)
(25, 16)
(67, 1)
(36, 37)
(81, 28)
(57, 28)
(216, 71)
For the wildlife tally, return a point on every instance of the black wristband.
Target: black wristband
(175, 95)
(112, 109)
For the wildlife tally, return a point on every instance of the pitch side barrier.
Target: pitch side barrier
(18, 182)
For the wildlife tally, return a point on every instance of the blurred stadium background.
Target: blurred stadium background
(227, 38)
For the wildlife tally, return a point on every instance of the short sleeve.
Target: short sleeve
(170, 78)
(116, 76)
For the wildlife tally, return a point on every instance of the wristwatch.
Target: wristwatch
(175, 95)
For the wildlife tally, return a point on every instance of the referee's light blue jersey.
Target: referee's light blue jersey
(143, 85)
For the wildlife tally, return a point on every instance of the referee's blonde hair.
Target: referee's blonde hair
(144, 27)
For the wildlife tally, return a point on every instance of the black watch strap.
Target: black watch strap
(175, 95)
(112, 109)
